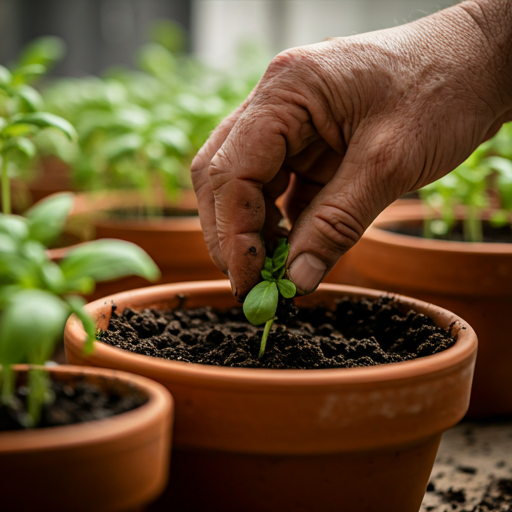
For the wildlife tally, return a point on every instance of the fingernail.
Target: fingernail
(234, 289)
(306, 272)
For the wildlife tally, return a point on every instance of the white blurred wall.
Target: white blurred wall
(218, 25)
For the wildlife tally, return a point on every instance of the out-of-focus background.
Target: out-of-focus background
(102, 33)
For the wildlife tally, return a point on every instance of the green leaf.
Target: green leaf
(499, 218)
(76, 305)
(30, 325)
(23, 145)
(28, 73)
(48, 217)
(5, 76)
(44, 51)
(122, 145)
(287, 288)
(173, 138)
(14, 226)
(268, 264)
(103, 260)
(261, 303)
(46, 120)
(267, 275)
(30, 97)
(280, 254)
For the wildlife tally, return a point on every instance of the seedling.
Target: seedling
(260, 305)
(482, 183)
(37, 295)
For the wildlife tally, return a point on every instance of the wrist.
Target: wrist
(491, 22)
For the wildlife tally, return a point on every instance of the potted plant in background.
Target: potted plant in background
(60, 425)
(359, 438)
(37, 174)
(460, 259)
(138, 132)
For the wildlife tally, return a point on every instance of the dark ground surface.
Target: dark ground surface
(357, 333)
(473, 470)
(73, 404)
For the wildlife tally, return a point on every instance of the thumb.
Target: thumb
(339, 215)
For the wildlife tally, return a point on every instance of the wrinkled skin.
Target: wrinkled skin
(345, 127)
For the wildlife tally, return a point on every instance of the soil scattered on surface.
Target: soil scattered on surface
(355, 333)
(76, 403)
(473, 470)
(491, 234)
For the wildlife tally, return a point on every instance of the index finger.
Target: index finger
(251, 156)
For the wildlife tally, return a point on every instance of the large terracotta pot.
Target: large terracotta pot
(111, 465)
(176, 244)
(355, 439)
(474, 280)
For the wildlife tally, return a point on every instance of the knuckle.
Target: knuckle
(339, 227)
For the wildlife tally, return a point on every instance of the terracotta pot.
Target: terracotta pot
(342, 273)
(355, 439)
(175, 243)
(474, 280)
(110, 465)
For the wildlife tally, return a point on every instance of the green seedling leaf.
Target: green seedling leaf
(28, 73)
(30, 97)
(5, 77)
(280, 255)
(14, 226)
(173, 138)
(48, 217)
(287, 288)
(267, 275)
(44, 51)
(103, 260)
(31, 323)
(46, 120)
(76, 305)
(121, 146)
(23, 145)
(499, 218)
(261, 303)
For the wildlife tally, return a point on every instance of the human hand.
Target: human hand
(345, 127)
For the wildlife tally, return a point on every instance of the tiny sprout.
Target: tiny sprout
(260, 305)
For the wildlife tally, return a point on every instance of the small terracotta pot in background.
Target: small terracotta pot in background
(176, 244)
(474, 280)
(318, 440)
(115, 464)
(342, 273)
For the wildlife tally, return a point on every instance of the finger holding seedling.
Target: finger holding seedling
(261, 303)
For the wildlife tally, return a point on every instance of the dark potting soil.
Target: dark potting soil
(490, 233)
(77, 403)
(356, 333)
(145, 213)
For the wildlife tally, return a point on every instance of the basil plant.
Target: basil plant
(37, 295)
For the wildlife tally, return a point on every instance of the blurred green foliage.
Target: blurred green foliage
(140, 129)
(480, 186)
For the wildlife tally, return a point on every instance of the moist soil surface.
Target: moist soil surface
(491, 234)
(356, 333)
(473, 470)
(76, 403)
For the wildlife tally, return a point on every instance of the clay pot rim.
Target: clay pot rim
(92, 432)
(416, 212)
(463, 349)
(92, 204)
